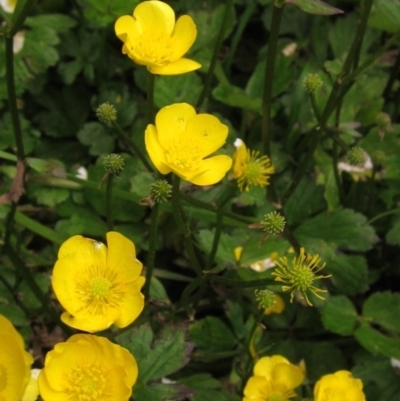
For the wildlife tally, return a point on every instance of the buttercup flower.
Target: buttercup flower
(88, 368)
(300, 274)
(339, 386)
(274, 379)
(181, 140)
(98, 286)
(152, 38)
(15, 362)
(8, 5)
(31, 392)
(249, 168)
(278, 307)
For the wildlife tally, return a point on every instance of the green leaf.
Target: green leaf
(234, 313)
(161, 392)
(96, 136)
(393, 235)
(58, 22)
(376, 342)
(237, 97)
(225, 245)
(349, 273)
(315, 7)
(157, 358)
(383, 308)
(101, 13)
(177, 89)
(390, 9)
(211, 335)
(339, 315)
(343, 228)
(48, 196)
(157, 291)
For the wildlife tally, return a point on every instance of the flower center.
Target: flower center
(88, 383)
(184, 155)
(3, 378)
(100, 287)
(153, 48)
(302, 277)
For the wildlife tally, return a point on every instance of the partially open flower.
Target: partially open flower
(90, 368)
(152, 38)
(182, 140)
(98, 286)
(250, 169)
(274, 378)
(15, 362)
(341, 386)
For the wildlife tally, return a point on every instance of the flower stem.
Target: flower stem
(384, 214)
(269, 77)
(12, 98)
(184, 229)
(150, 98)
(20, 17)
(152, 249)
(214, 59)
(133, 148)
(215, 243)
(110, 179)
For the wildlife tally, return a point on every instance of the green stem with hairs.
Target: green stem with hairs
(269, 78)
(151, 256)
(133, 148)
(110, 179)
(214, 59)
(184, 229)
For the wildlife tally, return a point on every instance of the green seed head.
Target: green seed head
(114, 163)
(356, 156)
(106, 113)
(273, 223)
(383, 120)
(312, 83)
(160, 191)
(378, 157)
(265, 298)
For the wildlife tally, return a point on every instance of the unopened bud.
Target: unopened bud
(106, 113)
(114, 163)
(312, 83)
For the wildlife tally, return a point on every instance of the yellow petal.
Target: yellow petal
(155, 16)
(126, 28)
(172, 121)
(89, 322)
(287, 375)
(208, 132)
(213, 170)
(132, 304)
(258, 388)
(177, 67)
(76, 257)
(265, 365)
(121, 257)
(154, 149)
(47, 393)
(183, 36)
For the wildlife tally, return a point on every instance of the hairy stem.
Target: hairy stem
(110, 179)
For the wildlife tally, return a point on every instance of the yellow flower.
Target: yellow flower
(300, 274)
(8, 5)
(98, 286)
(15, 362)
(31, 392)
(339, 386)
(152, 38)
(249, 168)
(274, 379)
(181, 140)
(278, 306)
(89, 368)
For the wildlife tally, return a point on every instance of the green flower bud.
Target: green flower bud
(273, 223)
(378, 157)
(265, 298)
(160, 191)
(106, 113)
(356, 156)
(114, 163)
(312, 82)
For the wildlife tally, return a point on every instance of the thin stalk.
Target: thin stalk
(10, 223)
(110, 179)
(133, 148)
(23, 13)
(150, 97)
(269, 78)
(384, 214)
(217, 47)
(184, 229)
(240, 283)
(217, 237)
(12, 98)
(151, 256)
(314, 105)
(243, 21)
(335, 157)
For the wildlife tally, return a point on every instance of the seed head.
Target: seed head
(356, 156)
(312, 83)
(114, 163)
(273, 223)
(106, 113)
(160, 191)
